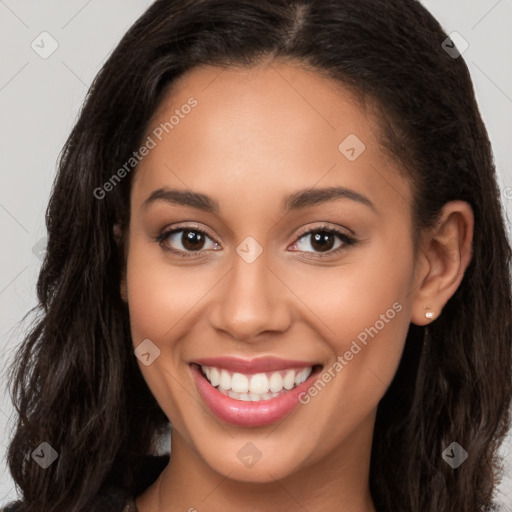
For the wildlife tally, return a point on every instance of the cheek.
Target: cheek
(159, 301)
(349, 298)
(160, 296)
(363, 310)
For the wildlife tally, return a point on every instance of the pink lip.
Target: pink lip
(248, 414)
(249, 366)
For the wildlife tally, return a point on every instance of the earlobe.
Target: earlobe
(442, 261)
(429, 313)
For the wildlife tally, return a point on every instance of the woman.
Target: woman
(276, 226)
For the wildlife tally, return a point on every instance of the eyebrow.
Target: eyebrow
(183, 197)
(313, 196)
(296, 201)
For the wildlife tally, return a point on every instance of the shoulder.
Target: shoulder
(113, 498)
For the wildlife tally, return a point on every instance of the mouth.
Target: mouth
(249, 398)
(257, 386)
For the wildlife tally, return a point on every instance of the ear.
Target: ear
(118, 237)
(443, 257)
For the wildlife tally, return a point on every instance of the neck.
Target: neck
(337, 481)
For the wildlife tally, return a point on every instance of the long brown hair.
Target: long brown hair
(76, 384)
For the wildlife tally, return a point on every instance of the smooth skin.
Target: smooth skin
(257, 136)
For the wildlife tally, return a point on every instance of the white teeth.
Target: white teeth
(248, 397)
(239, 396)
(276, 382)
(255, 387)
(225, 380)
(288, 381)
(214, 377)
(302, 376)
(240, 383)
(259, 383)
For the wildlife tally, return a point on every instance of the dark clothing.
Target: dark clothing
(117, 499)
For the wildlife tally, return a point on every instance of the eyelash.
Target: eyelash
(346, 240)
(162, 237)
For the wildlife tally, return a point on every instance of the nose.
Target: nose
(251, 301)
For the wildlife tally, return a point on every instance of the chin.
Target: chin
(261, 472)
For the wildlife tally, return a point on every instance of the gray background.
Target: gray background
(40, 99)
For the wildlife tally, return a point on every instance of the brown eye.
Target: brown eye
(192, 240)
(186, 240)
(323, 241)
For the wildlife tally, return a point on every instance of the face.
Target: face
(270, 264)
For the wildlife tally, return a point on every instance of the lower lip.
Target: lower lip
(248, 414)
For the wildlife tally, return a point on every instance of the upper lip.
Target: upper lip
(257, 365)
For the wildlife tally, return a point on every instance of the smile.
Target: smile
(256, 387)
(252, 393)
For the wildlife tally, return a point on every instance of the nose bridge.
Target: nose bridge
(251, 300)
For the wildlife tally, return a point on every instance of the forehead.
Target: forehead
(262, 132)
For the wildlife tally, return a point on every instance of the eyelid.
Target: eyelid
(346, 238)
(170, 230)
(327, 226)
(184, 226)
